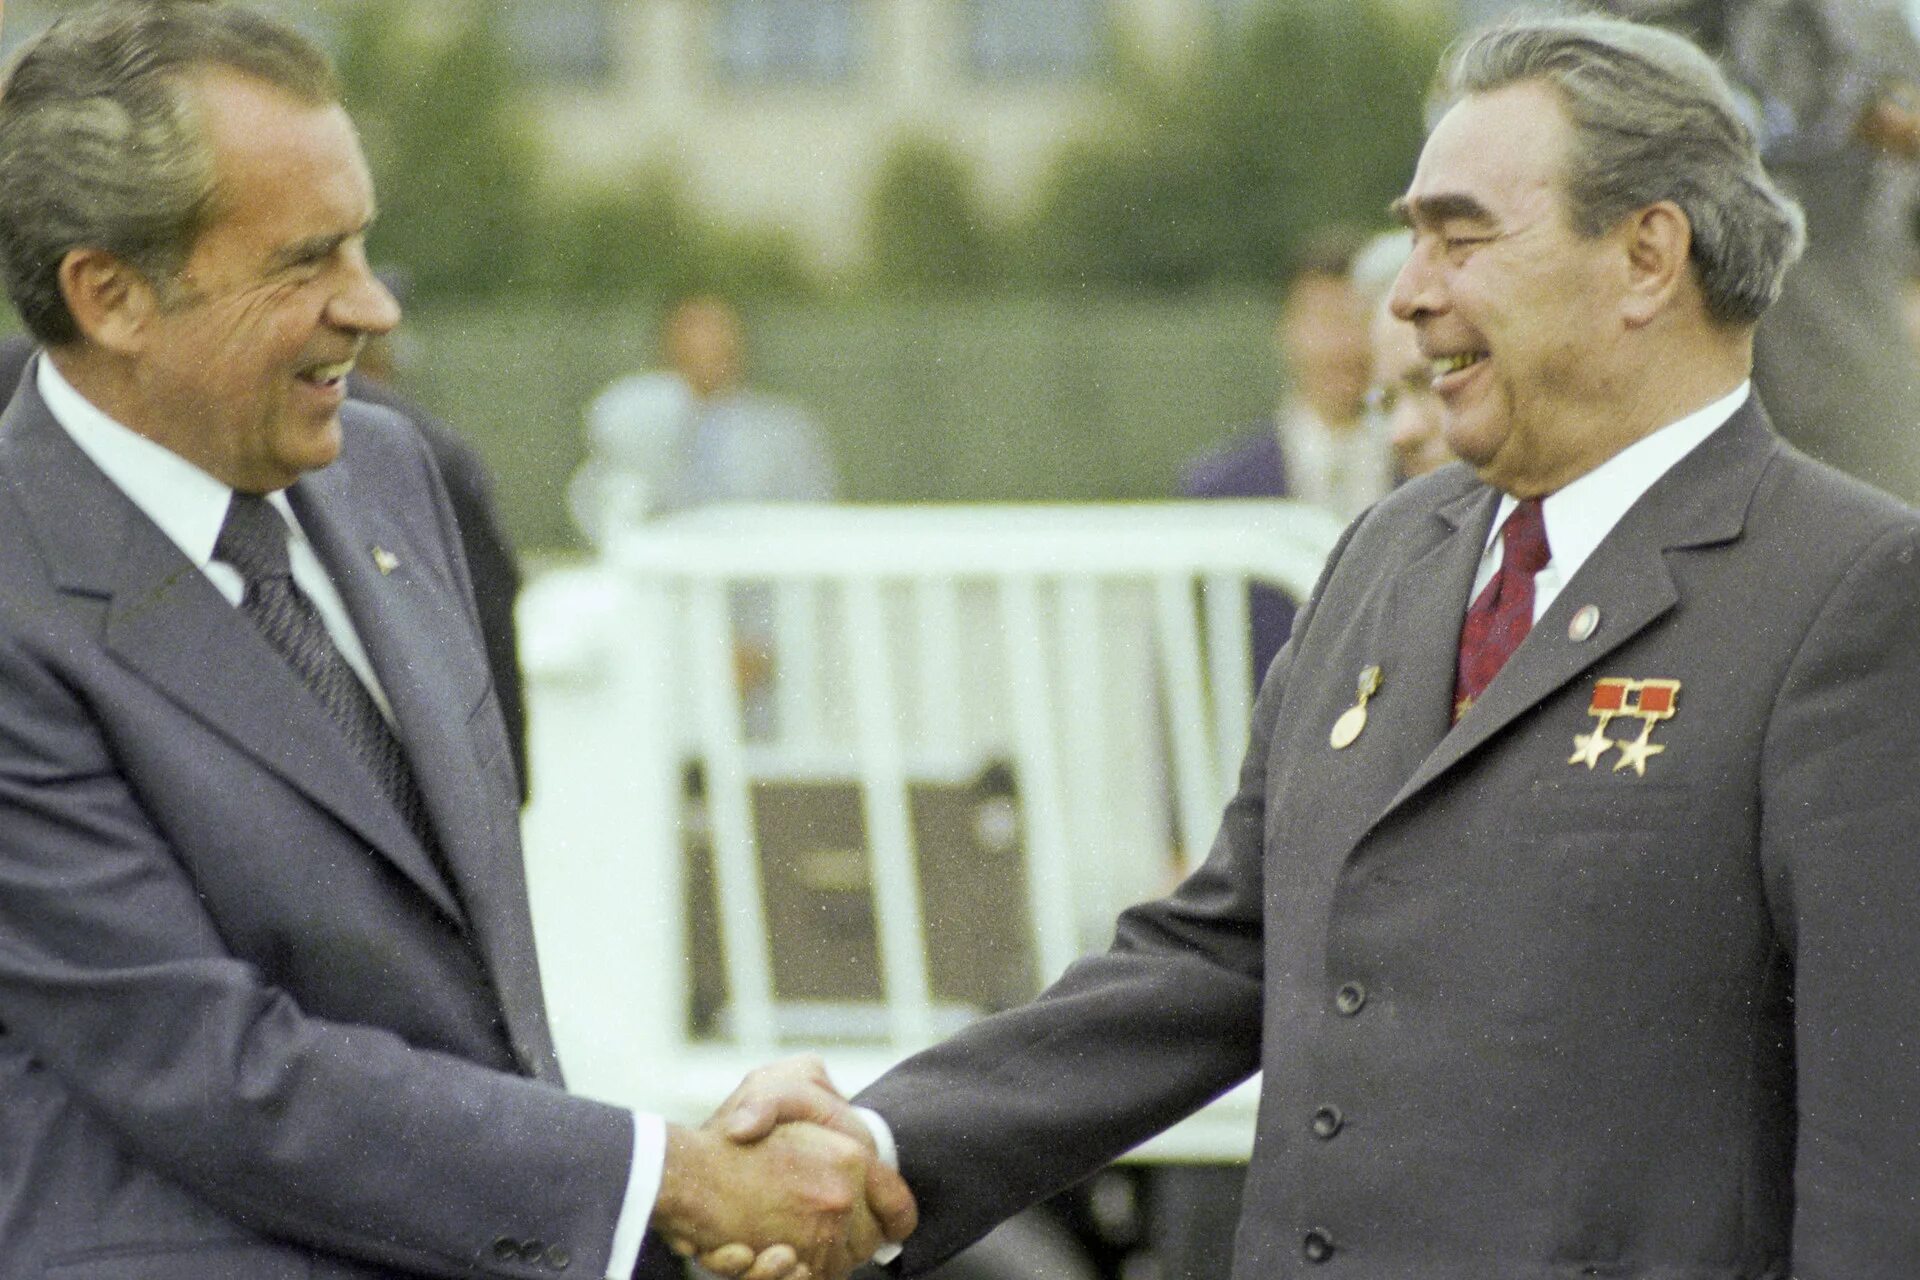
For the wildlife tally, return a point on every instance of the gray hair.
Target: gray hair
(1653, 120)
(102, 145)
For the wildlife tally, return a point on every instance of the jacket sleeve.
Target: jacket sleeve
(1025, 1103)
(1840, 831)
(120, 996)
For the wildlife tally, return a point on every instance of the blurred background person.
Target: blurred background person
(1400, 394)
(1315, 446)
(694, 433)
(1836, 83)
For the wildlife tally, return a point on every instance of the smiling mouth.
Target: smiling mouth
(1444, 365)
(326, 375)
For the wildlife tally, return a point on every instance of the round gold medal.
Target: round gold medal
(1348, 727)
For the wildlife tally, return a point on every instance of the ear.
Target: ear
(110, 301)
(1659, 245)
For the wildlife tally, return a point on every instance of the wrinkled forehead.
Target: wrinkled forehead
(1490, 153)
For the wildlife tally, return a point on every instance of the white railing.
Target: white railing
(1099, 651)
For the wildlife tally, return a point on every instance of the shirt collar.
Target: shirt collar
(1581, 515)
(187, 504)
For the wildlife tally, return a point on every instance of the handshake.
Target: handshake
(783, 1182)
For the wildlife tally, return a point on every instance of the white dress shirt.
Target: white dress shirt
(1582, 514)
(189, 506)
(1341, 471)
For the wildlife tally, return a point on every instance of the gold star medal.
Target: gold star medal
(385, 561)
(1656, 703)
(1347, 728)
(1609, 700)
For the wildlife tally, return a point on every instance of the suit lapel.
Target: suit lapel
(1702, 501)
(404, 626)
(169, 625)
(415, 630)
(1410, 636)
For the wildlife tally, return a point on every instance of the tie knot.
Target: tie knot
(1525, 538)
(253, 539)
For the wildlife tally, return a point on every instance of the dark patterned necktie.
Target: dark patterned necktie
(1499, 620)
(254, 541)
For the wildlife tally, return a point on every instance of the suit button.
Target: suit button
(506, 1249)
(558, 1258)
(1350, 999)
(1318, 1246)
(1327, 1121)
(532, 1251)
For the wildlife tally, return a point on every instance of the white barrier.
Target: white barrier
(1099, 650)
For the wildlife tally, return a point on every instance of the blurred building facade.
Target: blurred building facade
(779, 113)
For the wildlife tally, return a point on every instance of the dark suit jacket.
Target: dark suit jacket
(247, 1028)
(1252, 467)
(1520, 1017)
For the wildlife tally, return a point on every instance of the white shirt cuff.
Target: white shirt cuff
(882, 1136)
(643, 1188)
(890, 1156)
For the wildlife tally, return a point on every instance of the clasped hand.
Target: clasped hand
(783, 1182)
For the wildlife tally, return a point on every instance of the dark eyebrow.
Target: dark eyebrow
(1445, 207)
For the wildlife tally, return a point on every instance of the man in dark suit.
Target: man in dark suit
(269, 1002)
(1570, 897)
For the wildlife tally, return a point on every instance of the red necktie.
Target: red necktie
(1499, 620)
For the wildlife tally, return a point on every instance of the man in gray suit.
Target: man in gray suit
(1570, 898)
(269, 1003)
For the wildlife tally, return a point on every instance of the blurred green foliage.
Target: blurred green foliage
(1313, 116)
(454, 171)
(929, 231)
(644, 238)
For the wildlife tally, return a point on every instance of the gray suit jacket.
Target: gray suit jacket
(247, 1027)
(1522, 1017)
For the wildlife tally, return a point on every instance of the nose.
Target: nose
(1415, 289)
(363, 304)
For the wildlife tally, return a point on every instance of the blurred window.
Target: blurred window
(1035, 39)
(566, 40)
(786, 41)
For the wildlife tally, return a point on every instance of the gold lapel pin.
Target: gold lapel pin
(1584, 623)
(385, 561)
(1354, 718)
